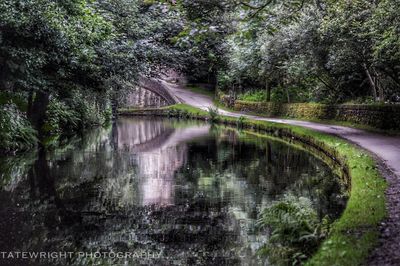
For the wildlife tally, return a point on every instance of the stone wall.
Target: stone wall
(379, 116)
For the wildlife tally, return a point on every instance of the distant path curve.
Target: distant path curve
(385, 148)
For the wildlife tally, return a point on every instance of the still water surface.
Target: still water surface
(168, 192)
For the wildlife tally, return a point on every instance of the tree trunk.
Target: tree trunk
(379, 87)
(268, 88)
(30, 102)
(381, 94)
(114, 109)
(37, 112)
(371, 81)
(287, 94)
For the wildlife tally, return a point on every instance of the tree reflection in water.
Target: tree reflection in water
(189, 190)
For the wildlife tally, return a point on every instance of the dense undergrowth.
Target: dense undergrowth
(63, 118)
(16, 133)
(297, 231)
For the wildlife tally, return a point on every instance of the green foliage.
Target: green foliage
(67, 60)
(194, 112)
(46, 42)
(75, 114)
(240, 121)
(202, 37)
(16, 133)
(13, 98)
(180, 113)
(253, 96)
(12, 168)
(59, 116)
(213, 114)
(296, 231)
(49, 48)
(329, 51)
(373, 116)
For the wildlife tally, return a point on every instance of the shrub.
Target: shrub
(74, 114)
(254, 96)
(184, 114)
(240, 121)
(16, 133)
(213, 114)
(90, 112)
(296, 231)
(60, 117)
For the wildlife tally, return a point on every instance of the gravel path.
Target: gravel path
(385, 148)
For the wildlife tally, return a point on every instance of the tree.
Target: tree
(331, 51)
(48, 47)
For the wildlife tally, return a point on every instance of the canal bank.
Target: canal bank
(184, 187)
(383, 147)
(353, 236)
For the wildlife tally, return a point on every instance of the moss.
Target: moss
(356, 232)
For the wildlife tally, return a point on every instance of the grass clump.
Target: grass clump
(240, 122)
(213, 113)
(296, 229)
(193, 111)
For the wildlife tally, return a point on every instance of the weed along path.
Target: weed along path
(385, 148)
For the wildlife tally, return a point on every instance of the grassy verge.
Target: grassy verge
(356, 232)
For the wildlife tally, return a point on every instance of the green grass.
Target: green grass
(355, 233)
(253, 96)
(187, 108)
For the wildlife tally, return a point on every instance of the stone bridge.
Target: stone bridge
(137, 135)
(150, 92)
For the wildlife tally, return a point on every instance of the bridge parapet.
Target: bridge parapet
(159, 88)
(150, 92)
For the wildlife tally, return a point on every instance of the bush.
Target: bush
(213, 114)
(60, 117)
(254, 96)
(296, 231)
(91, 112)
(240, 121)
(74, 114)
(16, 133)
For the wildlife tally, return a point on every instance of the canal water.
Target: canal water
(155, 192)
